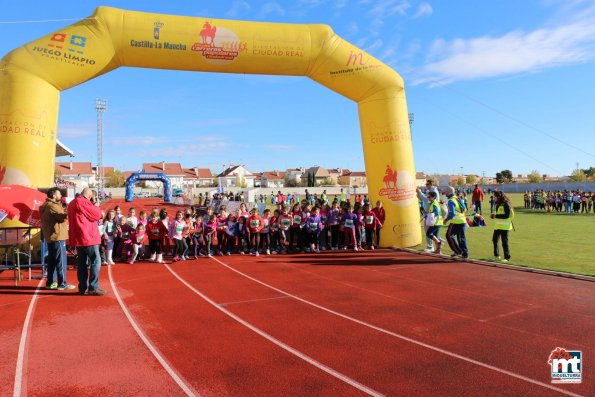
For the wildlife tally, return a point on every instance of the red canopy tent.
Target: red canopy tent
(22, 203)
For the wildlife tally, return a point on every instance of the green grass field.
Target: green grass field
(553, 241)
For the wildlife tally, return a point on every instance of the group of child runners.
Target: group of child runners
(192, 233)
(560, 201)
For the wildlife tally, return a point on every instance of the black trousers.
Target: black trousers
(504, 235)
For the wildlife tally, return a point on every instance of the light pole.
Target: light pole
(100, 106)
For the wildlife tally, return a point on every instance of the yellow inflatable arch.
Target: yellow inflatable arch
(32, 76)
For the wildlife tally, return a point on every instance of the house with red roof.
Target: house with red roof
(318, 174)
(258, 179)
(273, 179)
(354, 179)
(336, 173)
(172, 170)
(294, 175)
(236, 176)
(198, 177)
(106, 172)
(79, 173)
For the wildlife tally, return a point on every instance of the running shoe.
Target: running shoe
(66, 287)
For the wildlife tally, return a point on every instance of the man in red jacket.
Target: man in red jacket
(477, 198)
(83, 233)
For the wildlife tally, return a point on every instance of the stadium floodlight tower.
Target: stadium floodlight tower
(100, 106)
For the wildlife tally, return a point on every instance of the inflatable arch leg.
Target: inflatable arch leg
(32, 76)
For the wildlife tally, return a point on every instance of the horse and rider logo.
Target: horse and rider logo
(218, 44)
(208, 32)
(392, 189)
(390, 176)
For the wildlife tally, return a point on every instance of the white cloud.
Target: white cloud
(340, 4)
(374, 46)
(311, 3)
(223, 122)
(237, 9)
(136, 140)
(272, 8)
(352, 28)
(165, 140)
(279, 148)
(379, 11)
(198, 149)
(423, 9)
(76, 131)
(387, 8)
(516, 52)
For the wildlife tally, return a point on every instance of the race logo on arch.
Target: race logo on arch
(399, 186)
(218, 44)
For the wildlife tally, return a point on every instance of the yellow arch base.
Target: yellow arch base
(32, 76)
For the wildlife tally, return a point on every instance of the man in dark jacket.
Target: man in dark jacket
(83, 233)
(55, 233)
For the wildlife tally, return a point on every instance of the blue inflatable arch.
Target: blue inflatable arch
(148, 176)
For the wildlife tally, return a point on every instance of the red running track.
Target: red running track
(334, 324)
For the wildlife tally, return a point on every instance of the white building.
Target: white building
(273, 179)
(198, 177)
(295, 174)
(236, 176)
(79, 173)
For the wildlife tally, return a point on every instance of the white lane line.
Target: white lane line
(277, 342)
(485, 320)
(21, 301)
(177, 378)
(253, 300)
(405, 338)
(18, 375)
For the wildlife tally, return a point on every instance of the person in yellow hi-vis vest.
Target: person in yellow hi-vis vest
(502, 215)
(456, 229)
(434, 221)
(342, 198)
